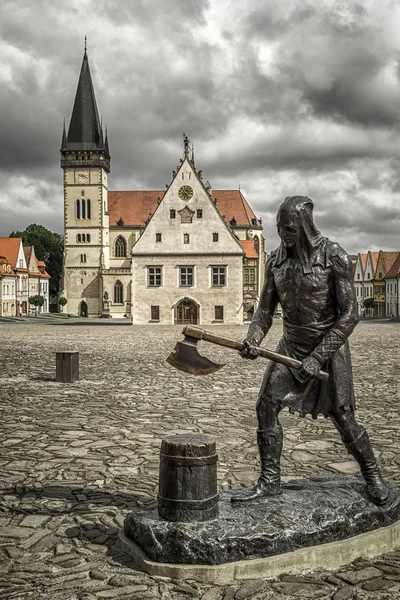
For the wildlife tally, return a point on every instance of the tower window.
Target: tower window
(83, 258)
(186, 238)
(172, 213)
(89, 208)
(215, 237)
(83, 209)
(79, 237)
(120, 247)
(158, 237)
(118, 293)
(199, 213)
(78, 209)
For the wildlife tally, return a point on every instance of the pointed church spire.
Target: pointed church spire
(84, 128)
(64, 138)
(106, 148)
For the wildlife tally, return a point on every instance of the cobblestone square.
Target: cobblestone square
(75, 458)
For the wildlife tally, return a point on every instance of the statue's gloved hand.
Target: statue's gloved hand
(309, 367)
(248, 351)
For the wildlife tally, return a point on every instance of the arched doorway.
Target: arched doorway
(187, 313)
(83, 309)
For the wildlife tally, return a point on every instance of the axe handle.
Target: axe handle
(198, 333)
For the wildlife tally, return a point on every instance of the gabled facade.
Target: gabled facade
(358, 277)
(383, 265)
(8, 289)
(187, 266)
(392, 292)
(108, 234)
(23, 279)
(13, 250)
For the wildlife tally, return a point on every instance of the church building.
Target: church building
(185, 254)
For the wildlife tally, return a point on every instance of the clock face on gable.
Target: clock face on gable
(82, 176)
(185, 192)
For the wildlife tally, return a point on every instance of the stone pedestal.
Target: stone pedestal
(313, 518)
(67, 367)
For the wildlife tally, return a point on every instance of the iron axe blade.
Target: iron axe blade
(186, 357)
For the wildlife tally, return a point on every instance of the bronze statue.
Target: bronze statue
(311, 277)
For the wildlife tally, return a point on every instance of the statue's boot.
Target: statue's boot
(361, 450)
(269, 483)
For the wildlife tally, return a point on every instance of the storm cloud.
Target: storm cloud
(301, 97)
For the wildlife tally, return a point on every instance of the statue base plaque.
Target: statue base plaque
(322, 522)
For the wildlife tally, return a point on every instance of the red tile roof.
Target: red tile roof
(233, 204)
(9, 247)
(394, 271)
(249, 248)
(374, 257)
(363, 258)
(388, 259)
(134, 207)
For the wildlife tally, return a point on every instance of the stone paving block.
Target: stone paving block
(355, 577)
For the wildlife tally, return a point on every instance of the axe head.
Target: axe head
(186, 357)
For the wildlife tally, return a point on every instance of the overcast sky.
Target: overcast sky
(279, 98)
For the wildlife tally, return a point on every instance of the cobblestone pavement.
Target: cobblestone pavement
(75, 458)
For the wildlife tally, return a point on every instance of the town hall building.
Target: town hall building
(185, 254)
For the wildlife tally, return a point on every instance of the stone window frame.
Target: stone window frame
(181, 275)
(154, 313)
(154, 276)
(219, 275)
(120, 247)
(215, 237)
(186, 238)
(219, 313)
(118, 292)
(158, 237)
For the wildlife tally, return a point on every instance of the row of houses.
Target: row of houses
(22, 276)
(376, 282)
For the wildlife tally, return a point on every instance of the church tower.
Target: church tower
(85, 160)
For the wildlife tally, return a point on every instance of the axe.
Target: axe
(186, 357)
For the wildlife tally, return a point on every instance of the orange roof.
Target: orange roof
(394, 271)
(41, 263)
(249, 248)
(374, 257)
(9, 247)
(388, 259)
(134, 207)
(363, 258)
(233, 205)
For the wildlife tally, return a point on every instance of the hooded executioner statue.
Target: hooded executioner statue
(311, 277)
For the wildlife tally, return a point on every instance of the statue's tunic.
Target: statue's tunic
(313, 303)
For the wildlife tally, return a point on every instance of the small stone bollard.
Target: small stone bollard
(67, 367)
(188, 478)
